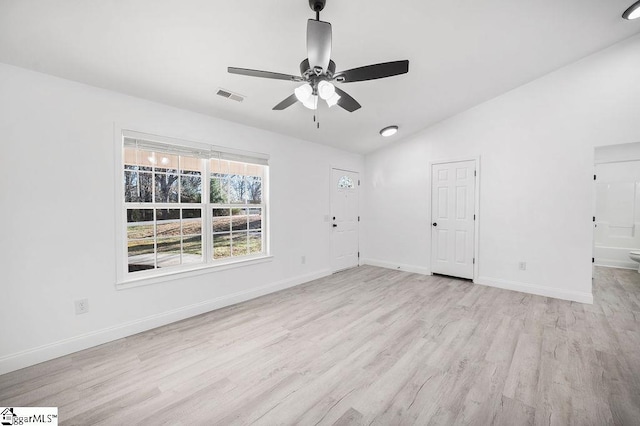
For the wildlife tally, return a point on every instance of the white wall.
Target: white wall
(57, 242)
(617, 226)
(536, 148)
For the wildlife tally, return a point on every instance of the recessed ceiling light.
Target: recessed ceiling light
(633, 12)
(389, 131)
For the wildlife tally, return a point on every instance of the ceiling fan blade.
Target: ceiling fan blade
(263, 74)
(318, 44)
(372, 72)
(286, 103)
(346, 101)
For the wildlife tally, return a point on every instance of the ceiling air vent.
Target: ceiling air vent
(230, 95)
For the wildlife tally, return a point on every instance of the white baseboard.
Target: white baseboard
(614, 263)
(397, 266)
(53, 350)
(574, 296)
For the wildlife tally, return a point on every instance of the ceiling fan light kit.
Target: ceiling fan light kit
(318, 71)
(633, 12)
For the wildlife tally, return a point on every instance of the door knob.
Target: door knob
(435, 224)
(335, 226)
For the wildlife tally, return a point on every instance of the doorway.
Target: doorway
(345, 185)
(616, 218)
(453, 219)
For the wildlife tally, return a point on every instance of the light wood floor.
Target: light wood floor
(365, 346)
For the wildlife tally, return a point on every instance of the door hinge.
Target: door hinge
(474, 260)
(358, 254)
(358, 218)
(594, 218)
(475, 173)
(594, 177)
(474, 217)
(358, 182)
(593, 260)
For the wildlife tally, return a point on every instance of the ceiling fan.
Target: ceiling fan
(318, 71)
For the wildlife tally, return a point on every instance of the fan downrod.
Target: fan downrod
(317, 6)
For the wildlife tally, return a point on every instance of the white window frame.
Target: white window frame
(126, 279)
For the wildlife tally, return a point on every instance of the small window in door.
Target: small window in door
(345, 182)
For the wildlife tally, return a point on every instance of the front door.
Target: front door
(344, 219)
(453, 220)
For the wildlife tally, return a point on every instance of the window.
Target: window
(186, 207)
(345, 182)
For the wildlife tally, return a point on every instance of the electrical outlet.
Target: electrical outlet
(82, 306)
(522, 266)
(303, 260)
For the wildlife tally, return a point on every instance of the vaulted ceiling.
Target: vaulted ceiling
(461, 53)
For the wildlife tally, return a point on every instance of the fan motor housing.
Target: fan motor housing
(305, 69)
(317, 5)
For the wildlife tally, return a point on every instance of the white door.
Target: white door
(344, 219)
(453, 222)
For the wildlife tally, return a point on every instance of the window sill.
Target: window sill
(187, 273)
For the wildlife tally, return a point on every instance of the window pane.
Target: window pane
(130, 186)
(192, 249)
(141, 255)
(168, 222)
(221, 220)
(221, 246)
(168, 252)
(167, 214)
(191, 213)
(137, 187)
(345, 182)
(166, 188)
(254, 189)
(237, 189)
(139, 231)
(219, 190)
(255, 242)
(145, 185)
(255, 218)
(239, 220)
(190, 189)
(139, 215)
(239, 244)
(192, 226)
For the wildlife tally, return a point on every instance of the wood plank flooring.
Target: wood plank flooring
(365, 346)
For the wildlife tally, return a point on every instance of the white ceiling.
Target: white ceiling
(461, 53)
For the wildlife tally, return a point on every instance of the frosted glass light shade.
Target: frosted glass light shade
(326, 90)
(331, 101)
(633, 12)
(311, 102)
(389, 131)
(303, 93)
